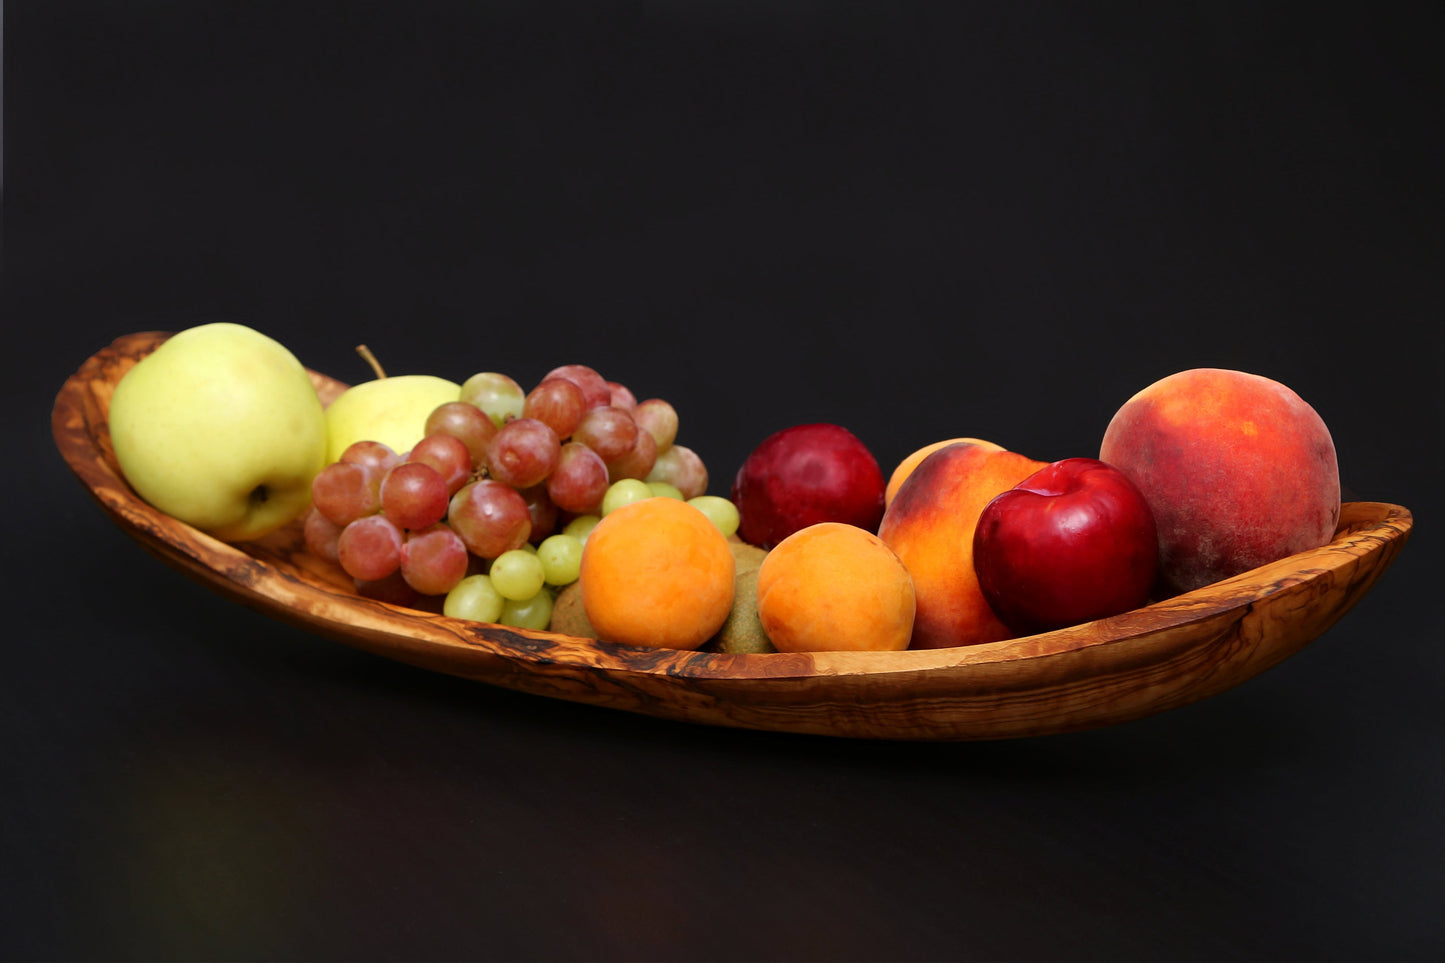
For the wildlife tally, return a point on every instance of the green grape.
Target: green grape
(561, 557)
(720, 511)
(517, 575)
(474, 598)
(495, 393)
(664, 489)
(581, 526)
(532, 613)
(624, 492)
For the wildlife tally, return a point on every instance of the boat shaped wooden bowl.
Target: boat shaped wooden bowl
(1110, 671)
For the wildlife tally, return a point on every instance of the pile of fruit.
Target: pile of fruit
(571, 506)
(490, 505)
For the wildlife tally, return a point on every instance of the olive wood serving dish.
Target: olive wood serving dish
(1110, 671)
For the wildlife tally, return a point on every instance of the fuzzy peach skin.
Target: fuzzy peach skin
(906, 466)
(1237, 468)
(835, 587)
(929, 525)
(657, 573)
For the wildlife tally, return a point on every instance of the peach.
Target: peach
(1237, 468)
(930, 525)
(657, 573)
(833, 586)
(906, 466)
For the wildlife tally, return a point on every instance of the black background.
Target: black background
(917, 220)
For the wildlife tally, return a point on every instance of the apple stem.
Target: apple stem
(365, 352)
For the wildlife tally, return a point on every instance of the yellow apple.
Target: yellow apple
(221, 428)
(390, 410)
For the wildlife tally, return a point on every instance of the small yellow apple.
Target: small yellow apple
(221, 428)
(390, 410)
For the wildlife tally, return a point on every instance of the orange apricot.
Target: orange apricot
(906, 466)
(657, 573)
(835, 587)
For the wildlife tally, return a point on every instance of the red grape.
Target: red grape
(414, 495)
(370, 548)
(321, 534)
(621, 396)
(467, 422)
(557, 402)
(579, 481)
(594, 387)
(449, 455)
(372, 453)
(392, 589)
(345, 491)
(523, 453)
(608, 431)
(433, 560)
(490, 517)
(636, 462)
(542, 510)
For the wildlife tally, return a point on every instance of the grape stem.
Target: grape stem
(370, 358)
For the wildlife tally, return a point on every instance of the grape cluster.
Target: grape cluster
(491, 507)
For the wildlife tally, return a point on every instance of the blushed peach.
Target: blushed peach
(930, 526)
(1237, 468)
(906, 466)
(835, 587)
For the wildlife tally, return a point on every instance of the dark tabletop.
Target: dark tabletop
(917, 220)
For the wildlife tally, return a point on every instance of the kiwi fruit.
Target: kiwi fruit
(568, 616)
(743, 630)
(748, 557)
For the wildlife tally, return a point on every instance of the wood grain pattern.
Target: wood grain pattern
(1101, 673)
